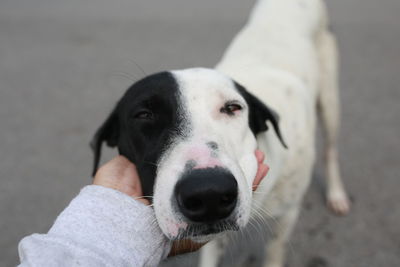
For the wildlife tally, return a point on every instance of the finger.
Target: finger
(121, 174)
(260, 156)
(261, 173)
(129, 180)
(184, 246)
(264, 170)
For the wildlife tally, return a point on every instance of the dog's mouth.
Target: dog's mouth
(201, 231)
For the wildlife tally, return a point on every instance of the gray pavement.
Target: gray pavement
(63, 65)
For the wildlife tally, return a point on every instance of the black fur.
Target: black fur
(259, 114)
(142, 125)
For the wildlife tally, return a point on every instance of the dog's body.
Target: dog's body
(287, 57)
(192, 133)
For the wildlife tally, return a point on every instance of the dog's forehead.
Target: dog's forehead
(206, 83)
(162, 84)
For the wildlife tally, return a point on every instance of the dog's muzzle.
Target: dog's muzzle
(207, 196)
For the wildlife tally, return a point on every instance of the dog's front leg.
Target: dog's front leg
(211, 254)
(275, 248)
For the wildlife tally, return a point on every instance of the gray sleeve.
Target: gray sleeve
(100, 227)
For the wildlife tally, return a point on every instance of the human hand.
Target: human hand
(262, 169)
(121, 174)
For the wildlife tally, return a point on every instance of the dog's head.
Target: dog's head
(191, 134)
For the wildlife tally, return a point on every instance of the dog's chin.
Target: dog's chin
(201, 233)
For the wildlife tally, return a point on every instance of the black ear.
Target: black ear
(108, 132)
(259, 114)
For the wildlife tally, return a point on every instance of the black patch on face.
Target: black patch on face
(259, 114)
(212, 145)
(142, 125)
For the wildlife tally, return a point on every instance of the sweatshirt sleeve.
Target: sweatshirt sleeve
(100, 227)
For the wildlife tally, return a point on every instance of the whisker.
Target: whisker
(276, 222)
(125, 75)
(151, 163)
(138, 66)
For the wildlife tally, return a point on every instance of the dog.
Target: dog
(192, 133)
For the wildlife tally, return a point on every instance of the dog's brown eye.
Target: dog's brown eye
(144, 115)
(231, 108)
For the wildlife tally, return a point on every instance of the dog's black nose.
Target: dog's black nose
(207, 195)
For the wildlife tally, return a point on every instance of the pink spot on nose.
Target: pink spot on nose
(196, 153)
(211, 163)
(201, 155)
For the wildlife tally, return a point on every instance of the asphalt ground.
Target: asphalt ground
(64, 64)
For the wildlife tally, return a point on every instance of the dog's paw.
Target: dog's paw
(338, 202)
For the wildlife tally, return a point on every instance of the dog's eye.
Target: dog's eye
(144, 115)
(230, 108)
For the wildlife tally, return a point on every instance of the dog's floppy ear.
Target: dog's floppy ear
(259, 114)
(109, 133)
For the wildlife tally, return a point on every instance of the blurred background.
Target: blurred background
(64, 64)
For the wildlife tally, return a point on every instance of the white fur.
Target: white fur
(203, 93)
(287, 58)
